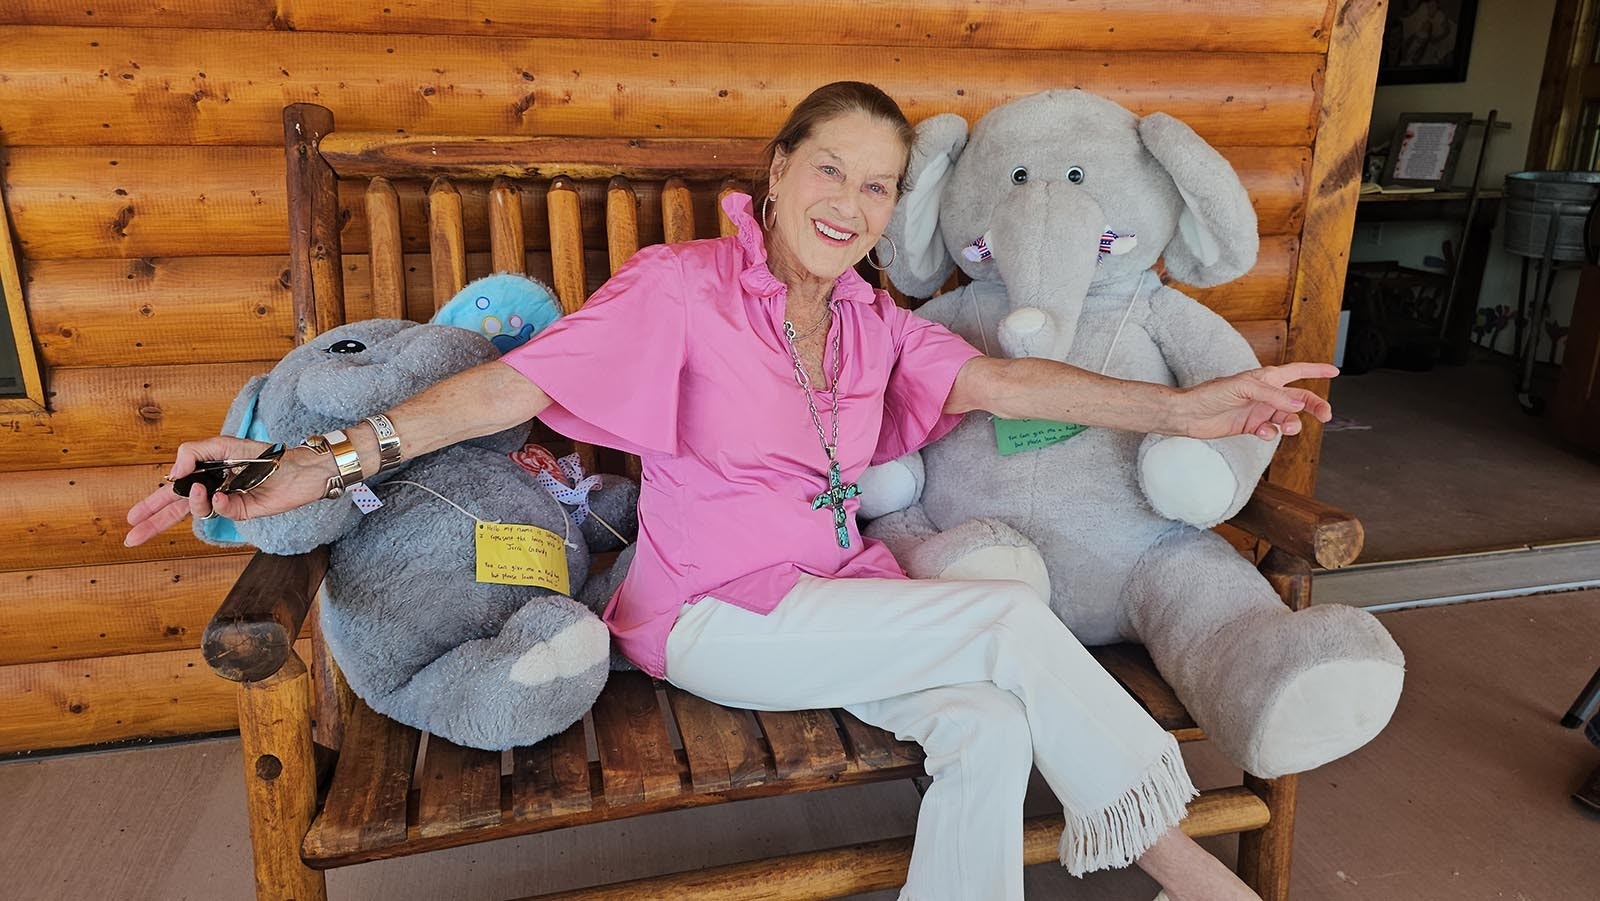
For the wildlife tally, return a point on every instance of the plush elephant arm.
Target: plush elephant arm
(1199, 482)
(891, 487)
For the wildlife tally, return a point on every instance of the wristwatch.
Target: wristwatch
(344, 457)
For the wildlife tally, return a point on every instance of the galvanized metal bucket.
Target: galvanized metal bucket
(1536, 199)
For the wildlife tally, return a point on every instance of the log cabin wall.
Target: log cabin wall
(143, 175)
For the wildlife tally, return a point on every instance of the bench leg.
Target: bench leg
(1264, 853)
(280, 778)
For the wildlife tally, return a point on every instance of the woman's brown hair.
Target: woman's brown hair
(829, 102)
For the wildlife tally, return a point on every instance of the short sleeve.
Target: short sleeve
(613, 367)
(928, 357)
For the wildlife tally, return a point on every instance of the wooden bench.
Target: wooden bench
(330, 783)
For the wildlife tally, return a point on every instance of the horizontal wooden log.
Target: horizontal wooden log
(133, 202)
(1304, 526)
(166, 311)
(362, 154)
(1261, 25)
(870, 866)
(73, 612)
(152, 86)
(156, 310)
(1266, 337)
(78, 517)
(136, 414)
(69, 703)
(1261, 293)
(126, 202)
(159, 311)
(263, 614)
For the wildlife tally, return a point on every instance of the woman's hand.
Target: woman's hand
(301, 478)
(1252, 403)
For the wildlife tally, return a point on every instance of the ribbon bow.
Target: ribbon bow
(577, 494)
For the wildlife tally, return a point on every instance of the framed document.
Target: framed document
(1425, 149)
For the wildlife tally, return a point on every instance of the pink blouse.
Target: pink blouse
(680, 358)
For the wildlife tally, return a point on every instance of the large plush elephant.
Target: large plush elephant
(1058, 207)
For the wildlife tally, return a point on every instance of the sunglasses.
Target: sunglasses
(229, 476)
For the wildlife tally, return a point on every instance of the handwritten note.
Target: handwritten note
(511, 554)
(1013, 436)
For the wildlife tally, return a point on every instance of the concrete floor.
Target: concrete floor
(1464, 796)
(1450, 463)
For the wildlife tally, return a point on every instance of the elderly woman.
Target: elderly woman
(757, 376)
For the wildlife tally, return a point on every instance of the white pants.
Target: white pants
(988, 680)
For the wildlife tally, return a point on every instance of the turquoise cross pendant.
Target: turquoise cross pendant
(834, 498)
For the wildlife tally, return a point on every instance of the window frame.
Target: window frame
(32, 400)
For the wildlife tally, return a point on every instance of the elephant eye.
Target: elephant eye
(1019, 176)
(1076, 175)
(347, 346)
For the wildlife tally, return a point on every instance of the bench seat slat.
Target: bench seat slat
(459, 788)
(805, 743)
(723, 744)
(1131, 665)
(551, 777)
(875, 749)
(366, 805)
(637, 762)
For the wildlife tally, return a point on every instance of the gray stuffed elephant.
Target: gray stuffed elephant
(1058, 207)
(486, 665)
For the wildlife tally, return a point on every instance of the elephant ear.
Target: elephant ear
(919, 263)
(1216, 240)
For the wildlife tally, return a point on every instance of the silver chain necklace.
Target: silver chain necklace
(837, 492)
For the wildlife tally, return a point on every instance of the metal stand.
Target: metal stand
(1584, 708)
(1544, 282)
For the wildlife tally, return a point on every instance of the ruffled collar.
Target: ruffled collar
(757, 278)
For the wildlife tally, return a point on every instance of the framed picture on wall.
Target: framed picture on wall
(1424, 150)
(1427, 41)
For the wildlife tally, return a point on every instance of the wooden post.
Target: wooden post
(566, 244)
(316, 266)
(1264, 854)
(507, 244)
(280, 780)
(725, 226)
(677, 211)
(386, 254)
(622, 222)
(1352, 71)
(447, 241)
(1290, 577)
(571, 282)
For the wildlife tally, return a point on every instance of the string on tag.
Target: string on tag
(565, 539)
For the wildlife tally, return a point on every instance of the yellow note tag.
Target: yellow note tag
(511, 554)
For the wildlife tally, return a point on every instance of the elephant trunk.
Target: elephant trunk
(1046, 243)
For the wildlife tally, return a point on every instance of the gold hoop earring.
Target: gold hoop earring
(892, 257)
(765, 202)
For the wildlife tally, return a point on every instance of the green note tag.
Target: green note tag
(1018, 435)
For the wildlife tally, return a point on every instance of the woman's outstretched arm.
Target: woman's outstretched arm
(1257, 402)
(483, 400)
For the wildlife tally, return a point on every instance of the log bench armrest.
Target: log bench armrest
(1302, 526)
(253, 631)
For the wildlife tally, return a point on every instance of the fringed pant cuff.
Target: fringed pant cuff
(1116, 835)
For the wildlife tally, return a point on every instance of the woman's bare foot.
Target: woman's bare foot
(1187, 872)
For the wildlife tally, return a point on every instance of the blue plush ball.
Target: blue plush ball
(507, 309)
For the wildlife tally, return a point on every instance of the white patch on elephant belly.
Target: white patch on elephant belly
(569, 652)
